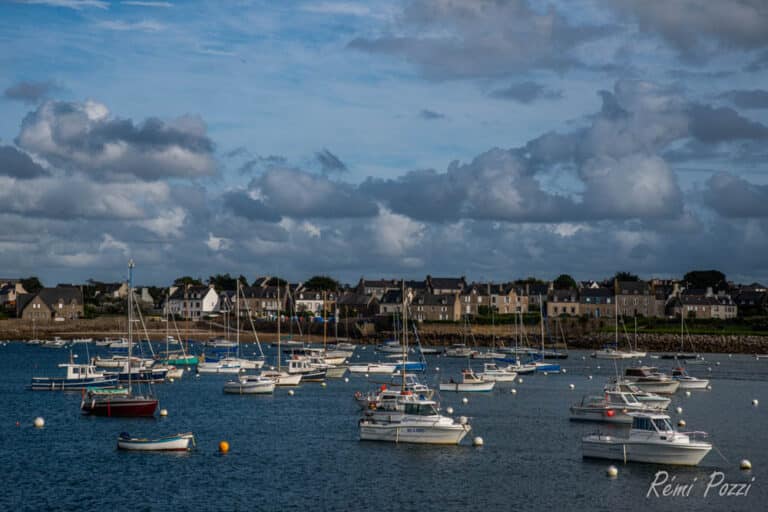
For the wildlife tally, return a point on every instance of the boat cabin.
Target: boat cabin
(655, 423)
(81, 371)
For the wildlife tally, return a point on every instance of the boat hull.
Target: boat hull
(178, 443)
(54, 384)
(466, 387)
(612, 448)
(602, 415)
(439, 435)
(283, 378)
(120, 407)
(660, 388)
(249, 388)
(499, 376)
(693, 383)
(372, 368)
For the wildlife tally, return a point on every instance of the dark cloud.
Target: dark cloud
(526, 92)
(484, 38)
(17, 164)
(717, 124)
(236, 152)
(693, 26)
(733, 196)
(755, 98)
(431, 115)
(262, 162)
(759, 63)
(330, 163)
(242, 205)
(84, 137)
(30, 92)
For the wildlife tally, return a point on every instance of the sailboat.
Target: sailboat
(537, 358)
(681, 354)
(613, 352)
(280, 377)
(120, 402)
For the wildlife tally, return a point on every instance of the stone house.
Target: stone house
(446, 285)
(376, 287)
(262, 301)
(597, 303)
(58, 304)
(428, 307)
(507, 299)
(352, 304)
(635, 298)
(312, 301)
(563, 303)
(473, 298)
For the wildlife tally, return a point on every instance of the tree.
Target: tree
(225, 281)
(564, 282)
(322, 283)
(626, 276)
(276, 281)
(705, 279)
(529, 280)
(187, 280)
(32, 284)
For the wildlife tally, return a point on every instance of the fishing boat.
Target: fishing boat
(651, 400)
(121, 402)
(688, 382)
(612, 407)
(491, 371)
(250, 385)
(176, 443)
(651, 439)
(470, 383)
(308, 372)
(79, 376)
(649, 379)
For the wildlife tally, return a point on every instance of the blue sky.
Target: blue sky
(489, 139)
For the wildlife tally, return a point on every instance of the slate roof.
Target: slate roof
(634, 288)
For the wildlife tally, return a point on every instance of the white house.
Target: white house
(193, 302)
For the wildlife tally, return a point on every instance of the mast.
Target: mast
(541, 315)
(405, 340)
(237, 313)
(616, 321)
(278, 327)
(325, 325)
(131, 264)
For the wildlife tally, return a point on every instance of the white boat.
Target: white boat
(174, 372)
(459, 350)
(221, 343)
(688, 382)
(281, 378)
(487, 355)
(390, 347)
(56, 342)
(612, 407)
(411, 419)
(122, 343)
(491, 371)
(78, 377)
(651, 400)
(651, 439)
(224, 365)
(308, 372)
(612, 353)
(378, 368)
(82, 340)
(121, 361)
(177, 442)
(649, 379)
(252, 385)
(470, 383)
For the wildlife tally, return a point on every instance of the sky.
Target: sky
(490, 139)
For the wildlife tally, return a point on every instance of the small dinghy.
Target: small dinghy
(174, 443)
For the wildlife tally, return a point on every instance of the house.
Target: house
(597, 302)
(59, 304)
(262, 301)
(635, 298)
(473, 298)
(446, 285)
(10, 289)
(391, 303)
(751, 302)
(312, 301)
(537, 295)
(704, 303)
(376, 287)
(354, 304)
(563, 303)
(429, 307)
(193, 302)
(507, 299)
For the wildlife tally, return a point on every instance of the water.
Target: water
(301, 452)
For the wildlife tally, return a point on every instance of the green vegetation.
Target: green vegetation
(322, 283)
(626, 276)
(564, 282)
(706, 279)
(751, 326)
(187, 280)
(32, 284)
(226, 282)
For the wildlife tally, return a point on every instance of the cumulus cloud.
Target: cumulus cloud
(733, 196)
(526, 92)
(30, 92)
(17, 164)
(749, 99)
(85, 137)
(717, 124)
(450, 39)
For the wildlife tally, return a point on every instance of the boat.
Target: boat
(122, 343)
(491, 371)
(430, 351)
(121, 361)
(220, 342)
(250, 385)
(649, 379)
(390, 347)
(56, 342)
(682, 354)
(121, 402)
(308, 372)
(470, 383)
(78, 377)
(651, 400)
(688, 382)
(612, 407)
(78, 341)
(176, 443)
(459, 350)
(651, 439)
(224, 365)
(380, 368)
(612, 353)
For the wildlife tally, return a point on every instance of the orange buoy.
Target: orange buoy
(223, 447)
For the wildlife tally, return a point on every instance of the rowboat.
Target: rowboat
(176, 442)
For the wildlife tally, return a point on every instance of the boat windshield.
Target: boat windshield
(420, 409)
(662, 424)
(643, 423)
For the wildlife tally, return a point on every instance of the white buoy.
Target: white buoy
(572, 386)
(39, 422)
(755, 402)
(513, 391)
(449, 410)
(170, 379)
(272, 368)
(358, 356)
(612, 471)
(717, 363)
(465, 400)
(709, 387)
(463, 420)
(346, 379)
(583, 358)
(687, 393)
(478, 441)
(189, 369)
(197, 375)
(563, 371)
(589, 377)
(730, 356)
(366, 375)
(679, 410)
(745, 465)
(163, 412)
(520, 380)
(546, 373)
(290, 392)
(323, 384)
(437, 368)
(709, 368)
(681, 423)
(598, 367)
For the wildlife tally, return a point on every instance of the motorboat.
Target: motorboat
(121, 361)
(612, 407)
(459, 350)
(470, 382)
(176, 442)
(122, 343)
(79, 376)
(378, 368)
(78, 341)
(491, 371)
(430, 351)
(308, 372)
(223, 365)
(119, 402)
(649, 379)
(140, 374)
(487, 355)
(651, 439)
(56, 342)
(612, 353)
(687, 381)
(281, 378)
(221, 343)
(390, 347)
(411, 419)
(251, 385)
(410, 366)
(652, 400)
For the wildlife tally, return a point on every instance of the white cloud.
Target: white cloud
(139, 3)
(216, 243)
(343, 8)
(394, 234)
(108, 243)
(167, 224)
(70, 4)
(126, 26)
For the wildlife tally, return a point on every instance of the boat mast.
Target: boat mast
(131, 264)
(237, 313)
(541, 316)
(278, 327)
(325, 325)
(405, 340)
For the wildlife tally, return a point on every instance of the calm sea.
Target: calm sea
(301, 452)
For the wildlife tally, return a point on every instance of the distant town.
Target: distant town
(698, 294)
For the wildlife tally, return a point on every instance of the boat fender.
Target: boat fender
(358, 395)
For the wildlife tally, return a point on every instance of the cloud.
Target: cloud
(139, 3)
(431, 115)
(127, 26)
(84, 137)
(330, 163)
(526, 92)
(734, 197)
(759, 63)
(262, 162)
(693, 26)
(70, 4)
(17, 164)
(342, 8)
(717, 124)
(216, 243)
(755, 98)
(30, 92)
(453, 39)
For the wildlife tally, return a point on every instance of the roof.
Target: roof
(447, 283)
(570, 295)
(259, 292)
(52, 296)
(702, 300)
(595, 295)
(379, 283)
(392, 297)
(430, 299)
(355, 299)
(183, 292)
(633, 288)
